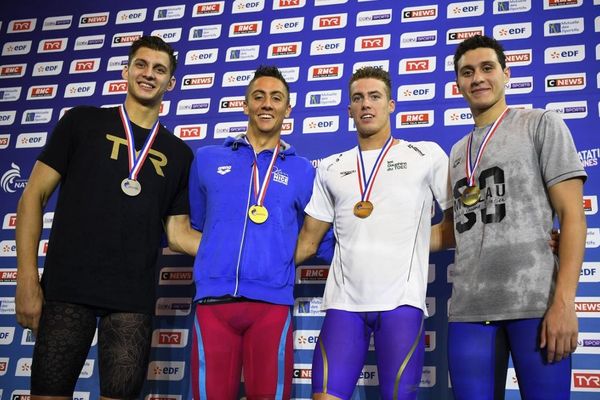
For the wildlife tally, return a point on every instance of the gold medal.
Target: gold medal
(131, 187)
(258, 214)
(470, 196)
(363, 209)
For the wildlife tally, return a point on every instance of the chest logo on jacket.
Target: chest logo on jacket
(224, 169)
(280, 177)
(392, 165)
(158, 159)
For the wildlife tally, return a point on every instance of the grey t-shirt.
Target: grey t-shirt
(504, 267)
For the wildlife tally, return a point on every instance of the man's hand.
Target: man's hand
(559, 331)
(28, 301)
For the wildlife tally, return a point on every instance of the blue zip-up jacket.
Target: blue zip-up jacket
(236, 256)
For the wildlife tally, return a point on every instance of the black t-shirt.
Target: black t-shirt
(104, 244)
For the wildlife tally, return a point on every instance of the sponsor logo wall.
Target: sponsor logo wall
(70, 53)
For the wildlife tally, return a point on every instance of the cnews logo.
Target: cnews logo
(518, 58)
(126, 38)
(197, 81)
(455, 36)
(96, 19)
(424, 13)
(563, 82)
(180, 275)
(231, 104)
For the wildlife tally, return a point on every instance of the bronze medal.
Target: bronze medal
(131, 187)
(470, 196)
(258, 214)
(363, 209)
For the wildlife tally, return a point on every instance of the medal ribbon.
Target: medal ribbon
(367, 186)
(469, 167)
(260, 192)
(136, 163)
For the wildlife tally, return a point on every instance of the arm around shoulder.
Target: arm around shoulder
(181, 236)
(311, 234)
(442, 233)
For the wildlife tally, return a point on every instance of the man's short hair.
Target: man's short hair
(375, 73)
(154, 43)
(476, 42)
(269, 71)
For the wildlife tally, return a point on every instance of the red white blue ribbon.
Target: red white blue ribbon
(260, 192)
(136, 162)
(367, 185)
(469, 167)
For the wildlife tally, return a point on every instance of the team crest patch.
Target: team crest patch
(280, 176)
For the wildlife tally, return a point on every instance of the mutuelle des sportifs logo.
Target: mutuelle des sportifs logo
(11, 180)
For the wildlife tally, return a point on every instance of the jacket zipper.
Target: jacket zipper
(239, 261)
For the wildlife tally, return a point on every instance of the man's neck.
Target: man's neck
(262, 141)
(141, 115)
(373, 142)
(487, 117)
